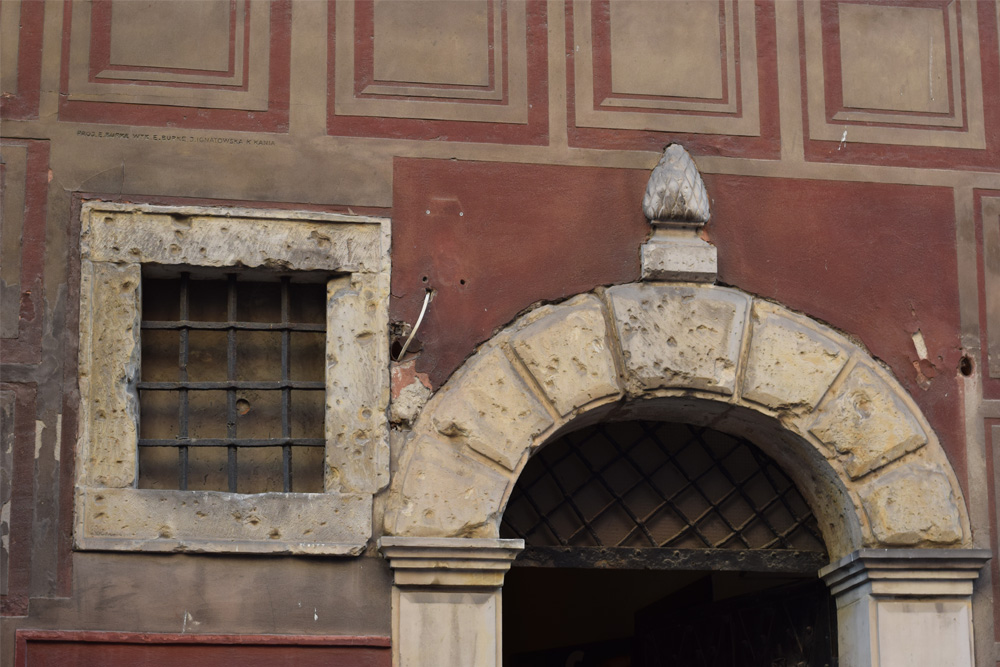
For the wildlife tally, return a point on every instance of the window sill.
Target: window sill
(154, 520)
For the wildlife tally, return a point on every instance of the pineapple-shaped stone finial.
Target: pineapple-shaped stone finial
(675, 192)
(676, 205)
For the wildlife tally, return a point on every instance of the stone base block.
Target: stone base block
(686, 258)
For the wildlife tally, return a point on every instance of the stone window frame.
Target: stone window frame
(116, 240)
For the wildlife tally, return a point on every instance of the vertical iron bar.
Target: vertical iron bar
(231, 374)
(286, 392)
(182, 398)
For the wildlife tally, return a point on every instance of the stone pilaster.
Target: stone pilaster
(446, 599)
(905, 607)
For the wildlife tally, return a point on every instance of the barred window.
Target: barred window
(234, 379)
(231, 392)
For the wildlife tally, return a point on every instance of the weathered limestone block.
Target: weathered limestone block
(357, 383)
(679, 256)
(445, 493)
(912, 504)
(496, 414)
(213, 240)
(568, 354)
(867, 421)
(790, 363)
(111, 325)
(679, 335)
(212, 521)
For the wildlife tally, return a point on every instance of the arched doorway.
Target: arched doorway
(655, 543)
(853, 442)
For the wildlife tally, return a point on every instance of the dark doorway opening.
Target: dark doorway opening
(652, 544)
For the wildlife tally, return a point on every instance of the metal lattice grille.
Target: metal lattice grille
(653, 484)
(232, 382)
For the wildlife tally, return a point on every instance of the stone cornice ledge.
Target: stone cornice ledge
(449, 561)
(907, 572)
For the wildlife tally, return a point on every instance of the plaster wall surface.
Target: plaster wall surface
(511, 158)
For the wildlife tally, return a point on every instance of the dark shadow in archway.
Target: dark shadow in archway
(652, 543)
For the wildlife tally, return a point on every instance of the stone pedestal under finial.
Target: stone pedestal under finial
(677, 207)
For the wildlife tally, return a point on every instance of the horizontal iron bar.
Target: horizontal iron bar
(231, 384)
(234, 442)
(195, 325)
(649, 558)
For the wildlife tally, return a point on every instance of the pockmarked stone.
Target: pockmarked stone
(675, 191)
(213, 521)
(789, 364)
(679, 258)
(867, 423)
(357, 378)
(112, 328)
(213, 240)
(497, 415)
(568, 354)
(681, 336)
(446, 493)
(912, 505)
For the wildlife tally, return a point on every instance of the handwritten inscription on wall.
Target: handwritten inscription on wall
(184, 138)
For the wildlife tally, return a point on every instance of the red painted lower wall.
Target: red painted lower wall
(44, 648)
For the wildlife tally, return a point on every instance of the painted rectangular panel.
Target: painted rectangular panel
(21, 26)
(705, 72)
(435, 69)
(667, 49)
(7, 417)
(899, 83)
(991, 280)
(171, 34)
(13, 178)
(18, 437)
(908, 44)
(24, 179)
(223, 64)
(432, 41)
(10, 20)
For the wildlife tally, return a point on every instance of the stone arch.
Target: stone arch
(852, 439)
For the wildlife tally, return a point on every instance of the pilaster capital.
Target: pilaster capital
(906, 572)
(449, 561)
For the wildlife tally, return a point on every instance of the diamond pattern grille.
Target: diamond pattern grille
(655, 484)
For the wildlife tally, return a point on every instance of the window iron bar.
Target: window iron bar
(232, 384)
(185, 324)
(233, 442)
(286, 394)
(182, 399)
(232, 462)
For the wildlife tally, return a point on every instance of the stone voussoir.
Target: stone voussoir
(912, 504)
(446, 493)
(679, 335)
(790, 362)
(497, 415)
(568, 354)
(867, 422)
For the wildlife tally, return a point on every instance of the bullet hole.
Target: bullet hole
(242, 406)
(424, 279)
(965, 366)
(462, 281)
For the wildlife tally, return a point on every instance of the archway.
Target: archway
(853, 441)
